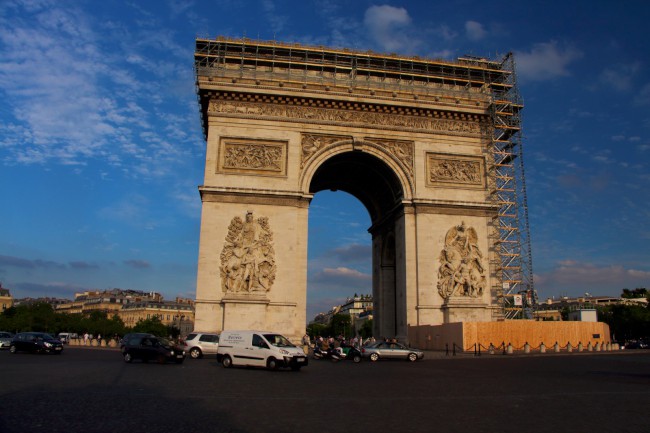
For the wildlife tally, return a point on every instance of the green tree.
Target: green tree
(152, 326)
(34, 317)
(366, 329)
(317, 330)
(636, 293)
(341, 325)
(626, 322)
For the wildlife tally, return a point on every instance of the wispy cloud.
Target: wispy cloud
(619, 76)
(341, 276)
(643, 97)
(83, 265)
(77, 95)
(353, 253)
(386, 25)
(137, 264)
(19, 262)
(474, 31)
(577, 277)
(546, 61)
(277, 20)
(51, 289)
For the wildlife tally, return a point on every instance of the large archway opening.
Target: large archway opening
(375, 185)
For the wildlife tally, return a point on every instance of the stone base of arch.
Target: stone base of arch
(463, 309)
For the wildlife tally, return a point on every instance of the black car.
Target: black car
(150, 348)
(127, 338)
(37, 342)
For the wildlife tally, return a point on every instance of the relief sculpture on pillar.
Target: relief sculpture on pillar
(461, 271)
(248, 258)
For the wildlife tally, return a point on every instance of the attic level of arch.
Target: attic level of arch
(208, 96)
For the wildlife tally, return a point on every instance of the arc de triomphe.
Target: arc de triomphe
(408, 137)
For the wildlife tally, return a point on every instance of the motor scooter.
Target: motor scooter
(334, 354)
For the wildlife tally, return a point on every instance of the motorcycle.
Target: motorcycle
(334, 354)
(352, 353)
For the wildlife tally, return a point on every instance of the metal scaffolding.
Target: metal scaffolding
(511, 231)
(480, 88)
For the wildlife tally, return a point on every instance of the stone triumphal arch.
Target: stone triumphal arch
(412, 139)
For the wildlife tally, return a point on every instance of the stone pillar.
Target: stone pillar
(542, 348)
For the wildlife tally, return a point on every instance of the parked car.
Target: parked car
(386, 350)
(198, 344)
(5, 339)
(65, 337)
(149, 348)
(38, 342)
(127, 338)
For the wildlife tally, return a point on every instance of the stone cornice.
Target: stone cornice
(254, 196)
(455, 207)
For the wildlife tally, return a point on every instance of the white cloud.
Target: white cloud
(80, 96)
(573, 277)
(545, 61)
(342, 273)
(386, 25)
(276, 20)
(619, 77)
(474, 31)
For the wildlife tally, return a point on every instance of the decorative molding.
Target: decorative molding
(401, 149)
(312, 143)
(455, 170)
(249, 156)
(253, 197)
(349, 117)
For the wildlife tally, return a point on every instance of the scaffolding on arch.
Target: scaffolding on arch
(516, 294)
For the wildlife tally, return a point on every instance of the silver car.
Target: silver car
(386, 350)
(5, 339)
(199, 343)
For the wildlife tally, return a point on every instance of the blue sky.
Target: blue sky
(101, 150)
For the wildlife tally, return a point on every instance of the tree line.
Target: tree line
(41, 317)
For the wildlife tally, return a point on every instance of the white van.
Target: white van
(259, 349)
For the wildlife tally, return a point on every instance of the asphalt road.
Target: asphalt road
(93, 390)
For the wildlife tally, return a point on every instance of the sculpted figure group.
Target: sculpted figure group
(247, 259)
(461, 272)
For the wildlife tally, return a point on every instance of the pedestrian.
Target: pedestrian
(306, 343)
(86, 339)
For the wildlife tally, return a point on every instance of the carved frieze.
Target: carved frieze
(312, 143)
(454, 170)
(338, 116)
(248, 257)
(401, 149)
(253, 156)
(461, 272)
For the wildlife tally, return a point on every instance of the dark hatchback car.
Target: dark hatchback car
(36, 342)
(127, 338)
(150, 348)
